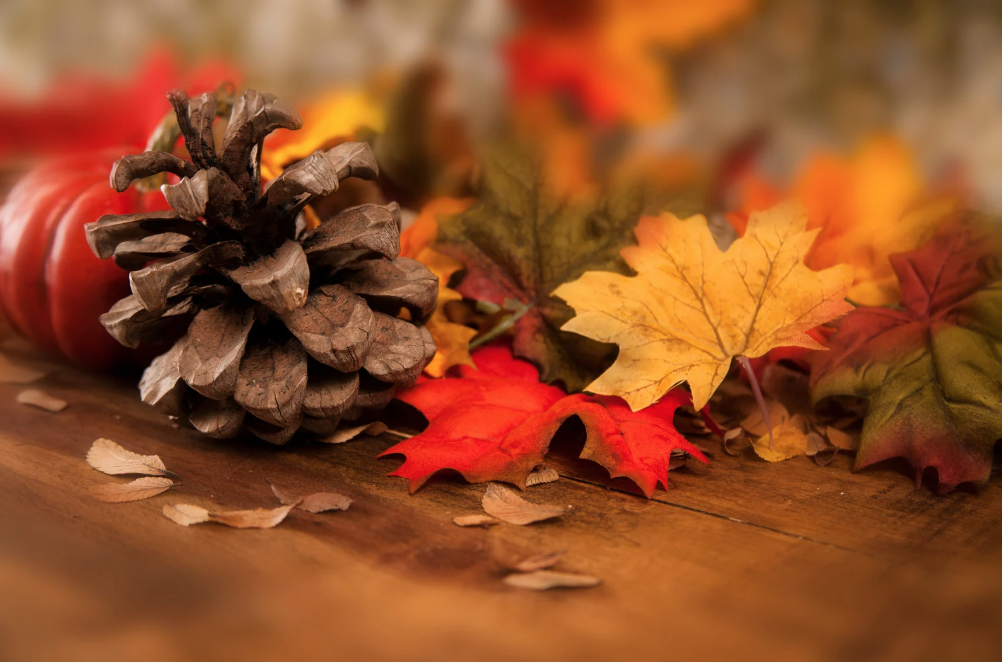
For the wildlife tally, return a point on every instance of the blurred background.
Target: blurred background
(722, 90)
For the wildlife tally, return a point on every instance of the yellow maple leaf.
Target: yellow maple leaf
(691, 308)
(327, 121)
(452, 340)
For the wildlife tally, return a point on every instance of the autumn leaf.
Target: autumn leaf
(108, 457)
(20, 372)
(789, 433)
(692, 308)
(867, 206)
(343, 435)
(930, 370)
(496, 423)
(41, 400)
(318, 502)
(505, 505)
(483, 521)
(543, 580)
(452, 340)
(187, 514)
(541, 476)
(519, 241)
(140, 488)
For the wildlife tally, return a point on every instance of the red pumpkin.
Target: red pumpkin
(52, 287)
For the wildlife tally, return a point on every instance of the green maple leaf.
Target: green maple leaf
(518, 242)
(931, 371)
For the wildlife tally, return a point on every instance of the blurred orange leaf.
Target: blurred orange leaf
(333, 118)
(452, 340)
(867, 206)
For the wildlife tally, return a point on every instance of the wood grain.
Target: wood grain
(748, 560)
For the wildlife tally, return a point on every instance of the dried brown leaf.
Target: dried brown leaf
(140, 488)
(18, 372)
(347, 434)
(475, 520)
(260, 518)
(108, 457)
(321, 502)
(542, 580)
(842, 440)
(731, 439)
(509, 507)
(815, 444)
(541, 475)
(40, 399)
(317, 502)
(185, 514)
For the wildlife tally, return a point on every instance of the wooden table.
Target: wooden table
(748, 560)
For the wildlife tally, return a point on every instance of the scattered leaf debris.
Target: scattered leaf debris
(504, 504)
(318, 502)
(541, 475)
(475, 520)
(347, 434)
(543, 580)
(187, 514)
(18, 372)
(108, 457)
(140, 488)
(40, 399)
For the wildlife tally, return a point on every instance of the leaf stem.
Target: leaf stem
(501, 328)
(753, 380)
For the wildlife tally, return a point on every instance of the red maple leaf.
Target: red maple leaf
(931, 371)
(496, 423)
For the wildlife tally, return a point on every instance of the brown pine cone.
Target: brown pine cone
(286, 329)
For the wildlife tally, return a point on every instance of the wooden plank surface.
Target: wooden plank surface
(746, 560)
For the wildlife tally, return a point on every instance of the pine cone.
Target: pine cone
(285, 329)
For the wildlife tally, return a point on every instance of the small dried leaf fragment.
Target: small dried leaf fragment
(260, 518)
(140, 488)
(185, 514)
(341, 436)
(504, 504)
(318, 502)
(475, 520)
(108, 457)
(842, 440)
(40, 399)
(16, 372)
(789, 440)
(543, 580)
(541, 475)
